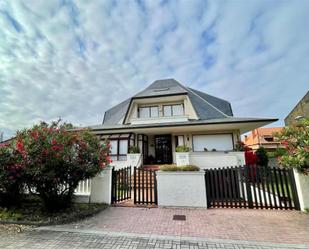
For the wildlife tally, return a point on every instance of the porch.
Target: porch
(207, 150)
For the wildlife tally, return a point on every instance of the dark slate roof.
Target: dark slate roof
(220, 104)
(207, 107)
(161, 88)
(116, 113)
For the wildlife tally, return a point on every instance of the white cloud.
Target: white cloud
(76, 59)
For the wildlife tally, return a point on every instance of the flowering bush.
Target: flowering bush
(55, 160)
(295, 138)
(12, 175)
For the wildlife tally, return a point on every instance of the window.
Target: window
(167, 110)
(144, 112)
(177, 110)
(218, 142)
(119, 146)
(269, 139)
(173, 110)
(148, 112)
(154, 111)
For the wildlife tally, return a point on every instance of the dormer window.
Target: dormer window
(173, 110)
(148, 112)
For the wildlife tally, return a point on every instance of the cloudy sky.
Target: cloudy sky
(75, 59)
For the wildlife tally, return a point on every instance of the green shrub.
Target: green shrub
(271, 154)
(174, 167)
(134, 149)
(262, 158)
(182, 149)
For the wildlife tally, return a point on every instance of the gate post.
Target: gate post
(248, 187)
(301, 186)
(101, 187)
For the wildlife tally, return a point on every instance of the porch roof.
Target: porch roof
(230, 123)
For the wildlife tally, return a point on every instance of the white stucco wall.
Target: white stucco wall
(217, 159)
(101, 187)
(302, 185)
(181, 189)
(133, 160)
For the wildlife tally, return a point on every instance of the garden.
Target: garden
(41, 168)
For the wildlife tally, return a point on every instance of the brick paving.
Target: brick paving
(68, 240)
(229, 224)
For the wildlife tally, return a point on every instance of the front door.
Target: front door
(163, 148)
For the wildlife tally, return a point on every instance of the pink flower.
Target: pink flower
(54, 142)
(20, 146)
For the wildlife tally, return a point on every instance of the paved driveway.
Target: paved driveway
(229, 224)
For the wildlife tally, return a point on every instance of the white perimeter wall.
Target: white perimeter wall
(181, 189)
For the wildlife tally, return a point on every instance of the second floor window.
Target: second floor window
(148, 112)
(173, 110)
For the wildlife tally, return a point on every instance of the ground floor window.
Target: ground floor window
(120, 144)
(213, 142)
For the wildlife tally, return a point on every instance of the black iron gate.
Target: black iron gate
(121, 184)
(251, 187)
(142, 185)
(145, 187)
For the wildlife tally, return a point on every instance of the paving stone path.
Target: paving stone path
(46, 239)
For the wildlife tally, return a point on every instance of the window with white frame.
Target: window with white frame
(148, 112)
(213, 142)
(173, 110)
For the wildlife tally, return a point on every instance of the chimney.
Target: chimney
(1, 136)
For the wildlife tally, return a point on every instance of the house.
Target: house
(167, 114)
(301, 110)
(263, 137)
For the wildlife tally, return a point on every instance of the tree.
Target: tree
(56, 160)
(261, 157)
(295, 138)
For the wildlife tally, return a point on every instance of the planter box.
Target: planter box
(302, 185)
(181, 189)
(182, 158)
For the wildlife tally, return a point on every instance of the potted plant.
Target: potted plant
(134, 150)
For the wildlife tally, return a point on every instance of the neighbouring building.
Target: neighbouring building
(262, 137)
(301, 110)
(167, 114)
